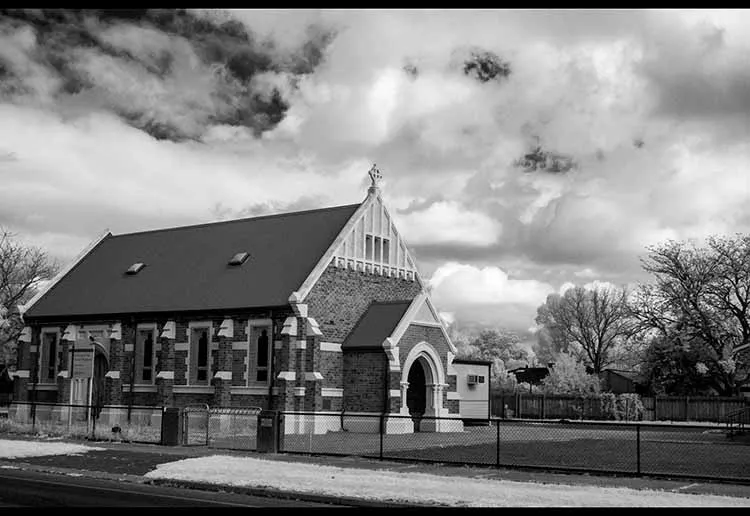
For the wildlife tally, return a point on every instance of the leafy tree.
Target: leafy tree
(701, 296)
(569, 376)
(502, 348)
(22, 269)
(592, 324)
(505, 345)
(675, 368)
(551, 339)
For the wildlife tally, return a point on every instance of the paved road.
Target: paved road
(31, 488)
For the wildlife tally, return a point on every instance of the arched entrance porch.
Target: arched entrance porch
(422, 384)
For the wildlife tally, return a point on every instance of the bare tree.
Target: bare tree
(22, 269)
(590, 323)
(701, 297)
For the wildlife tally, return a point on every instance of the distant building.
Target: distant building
(621, 382)
(473, 378)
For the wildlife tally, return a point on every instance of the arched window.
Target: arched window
(259, 342)
(263, 345)
(200, 354)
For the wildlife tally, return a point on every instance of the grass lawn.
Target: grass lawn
(597, 448)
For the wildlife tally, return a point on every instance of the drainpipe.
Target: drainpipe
(489, 391)
(271, 357)
(132, 368)
(387, 393)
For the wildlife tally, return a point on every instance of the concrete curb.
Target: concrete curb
(287, 495)
(206, 486)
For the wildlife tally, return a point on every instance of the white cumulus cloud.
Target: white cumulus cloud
(449, 223)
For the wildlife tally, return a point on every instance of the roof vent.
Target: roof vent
(239, 258)
(135, 268)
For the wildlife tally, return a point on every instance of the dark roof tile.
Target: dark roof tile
(376, 324)
(187, 267)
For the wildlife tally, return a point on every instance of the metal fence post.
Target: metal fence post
(638, 448)
(208, 421)
(518, 404)
(382, 434)
(497, 461)
(93, 425)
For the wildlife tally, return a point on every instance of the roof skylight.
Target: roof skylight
(133, 269)
(239, 258)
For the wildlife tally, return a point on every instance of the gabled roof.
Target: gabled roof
(186, 268)
(633, 376)
(376, 324)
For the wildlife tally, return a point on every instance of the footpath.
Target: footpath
(127, 462)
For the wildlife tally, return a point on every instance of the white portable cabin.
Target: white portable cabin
(473, 387)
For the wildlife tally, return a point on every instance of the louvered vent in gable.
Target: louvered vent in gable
(374, 246)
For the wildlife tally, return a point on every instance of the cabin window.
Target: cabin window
(475, 378)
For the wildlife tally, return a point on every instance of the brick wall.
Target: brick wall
(363, 380)
(331, 367)
(168, 359)
(341, 296)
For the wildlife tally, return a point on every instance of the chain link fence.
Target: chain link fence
(111, 422)
(233, 428)
(708, 452)
(220, 427)
(669, 450)
(195, 425)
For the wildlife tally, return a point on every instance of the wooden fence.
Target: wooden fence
(691, 408)
(659, 408)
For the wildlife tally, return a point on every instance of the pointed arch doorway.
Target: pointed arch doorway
(416, 394)
(422, 383)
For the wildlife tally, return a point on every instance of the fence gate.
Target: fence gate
(233, 428)
(195, 425)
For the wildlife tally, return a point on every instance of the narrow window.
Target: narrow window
(386, 251)
(148, 350)
(368, 247)
(262, 353)
(50, 343)
(202, 365)
(145, 356)
(378, 249)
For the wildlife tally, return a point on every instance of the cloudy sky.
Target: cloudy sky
(521, 150)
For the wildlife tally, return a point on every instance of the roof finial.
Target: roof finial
(375, 177)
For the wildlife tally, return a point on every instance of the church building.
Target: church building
(318, 311)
